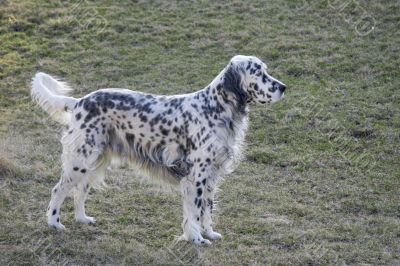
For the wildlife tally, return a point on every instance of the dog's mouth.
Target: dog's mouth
(277, 97)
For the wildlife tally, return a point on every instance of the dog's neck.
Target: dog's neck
(218, 94)
(218, 104)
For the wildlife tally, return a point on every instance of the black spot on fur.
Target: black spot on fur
(198, 203)
(54, 212)
(83, 171)
(130, 138)
(92, 108)
(76, 168)
(248, 65)
(210, 204)
(143, 118)
(164, 131)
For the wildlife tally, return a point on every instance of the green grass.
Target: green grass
(320, 180)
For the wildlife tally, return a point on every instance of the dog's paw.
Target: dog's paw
(201, 242)
(212, 235)
(85, 220)
(57, 226)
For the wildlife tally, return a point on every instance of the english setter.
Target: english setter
(188, 141)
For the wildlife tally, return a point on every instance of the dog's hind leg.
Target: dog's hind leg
(94, 177)
(58, 194)
(77, 170)
(81, 192)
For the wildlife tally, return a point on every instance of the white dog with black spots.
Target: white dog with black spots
(188, 141)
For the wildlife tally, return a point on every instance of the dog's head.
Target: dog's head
(247, 78)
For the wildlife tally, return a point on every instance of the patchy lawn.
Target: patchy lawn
(320, 180)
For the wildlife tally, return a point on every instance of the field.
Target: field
(319, 183)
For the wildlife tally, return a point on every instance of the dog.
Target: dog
(187, 141)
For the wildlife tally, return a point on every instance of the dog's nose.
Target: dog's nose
(282, 88)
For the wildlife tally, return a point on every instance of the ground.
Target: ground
(319, 183)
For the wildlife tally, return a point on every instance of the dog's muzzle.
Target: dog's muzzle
(278, 86)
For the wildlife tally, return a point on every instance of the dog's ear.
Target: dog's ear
(233, 84)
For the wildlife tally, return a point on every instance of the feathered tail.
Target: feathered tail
(51, 95)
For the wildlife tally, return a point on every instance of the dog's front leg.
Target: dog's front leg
(193, 210)
(207, 224)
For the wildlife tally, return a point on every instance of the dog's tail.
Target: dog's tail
(51, 95)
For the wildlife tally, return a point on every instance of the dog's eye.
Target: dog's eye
(264, 78)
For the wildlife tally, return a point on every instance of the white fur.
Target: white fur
(51, 95)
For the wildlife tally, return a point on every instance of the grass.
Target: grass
(320, 180)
